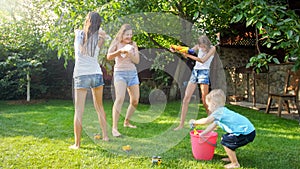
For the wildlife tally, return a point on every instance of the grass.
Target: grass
(38, 136)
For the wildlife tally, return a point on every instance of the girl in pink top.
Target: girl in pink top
(125, 53)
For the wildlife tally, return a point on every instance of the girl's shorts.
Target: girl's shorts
(233, 142)
(200, 76)
(88, 81)
(129, 77)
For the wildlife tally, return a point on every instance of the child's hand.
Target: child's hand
(172, 50)
(125, 50)
(191, 122)
(123, 53)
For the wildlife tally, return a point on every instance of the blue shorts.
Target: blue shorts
(233, 142)
(200, 76)
(88, 81)
(129, 77)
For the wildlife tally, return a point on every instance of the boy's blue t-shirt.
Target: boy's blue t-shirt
(232, 122)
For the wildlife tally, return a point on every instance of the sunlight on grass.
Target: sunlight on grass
(154, 134)
(38, 136)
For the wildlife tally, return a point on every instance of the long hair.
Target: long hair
(90, 29)
(203, 39)
(118, 38)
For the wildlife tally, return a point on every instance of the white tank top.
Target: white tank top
(85, 64)
(204, 65)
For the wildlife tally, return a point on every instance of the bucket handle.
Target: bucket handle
(206, 140)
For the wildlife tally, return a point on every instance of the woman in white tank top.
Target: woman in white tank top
(88, 74)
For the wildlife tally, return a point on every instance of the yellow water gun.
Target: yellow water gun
(183, 49)
(196, 132)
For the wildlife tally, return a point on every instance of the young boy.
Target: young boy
(240, 131)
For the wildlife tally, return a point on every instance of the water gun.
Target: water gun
(191, 123)
(156, 160)
(184, 49)
(196, 132)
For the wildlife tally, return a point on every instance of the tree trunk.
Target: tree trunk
(28, 87)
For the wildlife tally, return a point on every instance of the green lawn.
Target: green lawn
(38, 136)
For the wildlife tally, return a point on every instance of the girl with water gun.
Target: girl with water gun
(200, 73)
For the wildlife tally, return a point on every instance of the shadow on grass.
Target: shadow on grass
(51, 119)
(275, 146)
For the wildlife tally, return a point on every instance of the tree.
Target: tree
(277, 26)
(22, 53)
(56, 20)
(197, 17)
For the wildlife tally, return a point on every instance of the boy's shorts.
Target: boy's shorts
(129, 77)
(88, 81)
(200, 76)
(233, 142)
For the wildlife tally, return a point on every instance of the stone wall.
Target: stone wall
(233, 58)
(240, 86)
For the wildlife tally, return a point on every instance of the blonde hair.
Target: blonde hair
(216, 96)
(119, 35)
(203, 39)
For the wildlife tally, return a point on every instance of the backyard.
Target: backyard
(37, 60)
(38, 135)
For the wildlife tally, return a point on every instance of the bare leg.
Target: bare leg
(120, 91)
(80, 96)
(232, 157)
(204, 91)
(98, 104)
(134, 94)
(185, 103)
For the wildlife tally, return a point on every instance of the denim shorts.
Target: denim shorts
(200, 76)
(233, 142)
(88, 81)
(129, 77)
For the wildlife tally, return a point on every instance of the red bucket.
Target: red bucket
(203, 148)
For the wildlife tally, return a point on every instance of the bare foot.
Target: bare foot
(226, 159)
(178, 128)
(116, 133)
(105, 139)
(74, 147)
(232, 165)
(129, 125)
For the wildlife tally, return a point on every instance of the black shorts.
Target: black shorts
(233, 142)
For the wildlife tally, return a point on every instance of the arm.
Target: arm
(134, 55)
(203, 59)
(77, 41)
(113, 52)
(203, 121)
(101, 37)
(208, 129)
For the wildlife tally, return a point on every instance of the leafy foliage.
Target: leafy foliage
(261, 61)
(28, 29)
(22, 53)
(278, 27)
